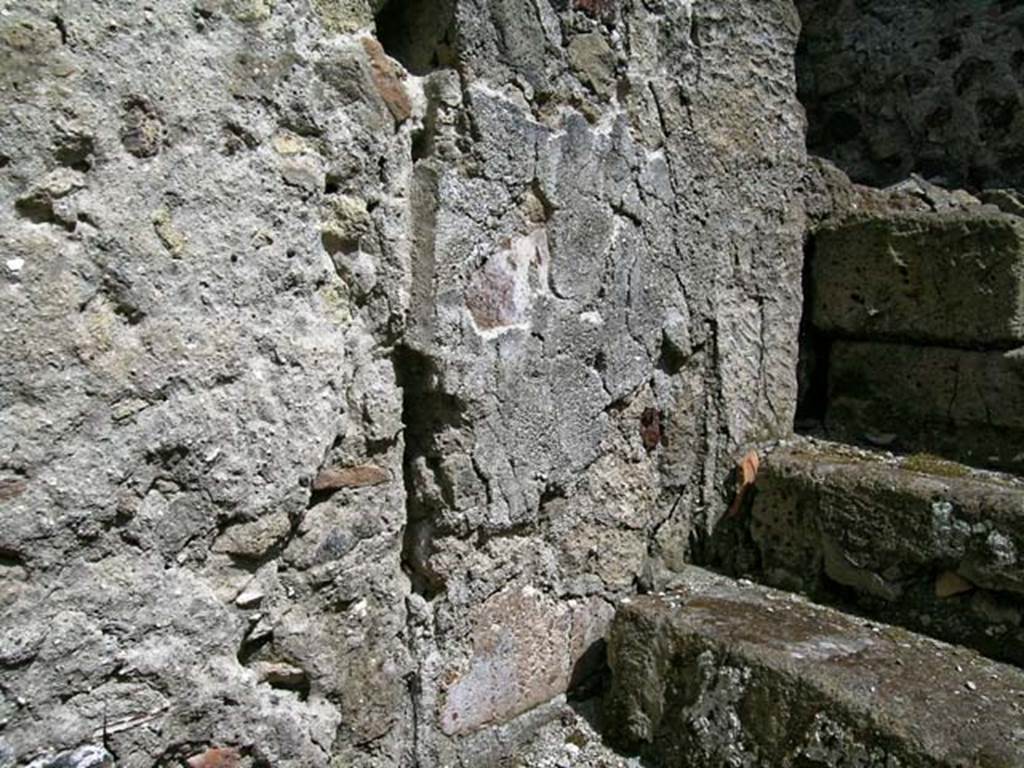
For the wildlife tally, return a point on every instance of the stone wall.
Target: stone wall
(899, 86)
(340, 395)
(914, 319)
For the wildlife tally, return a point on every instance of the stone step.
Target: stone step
(917, 541)
(963, 404)
(954, 278)
(724, 673)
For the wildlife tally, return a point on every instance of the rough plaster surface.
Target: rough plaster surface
(336, 402)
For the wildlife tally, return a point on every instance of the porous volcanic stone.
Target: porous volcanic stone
(955, 278)
(723, 673)
(323, 355)
(917, 541)
(962, 404)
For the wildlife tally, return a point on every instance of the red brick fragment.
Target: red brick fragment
(216, 757)
(387, 81)
(335, 478)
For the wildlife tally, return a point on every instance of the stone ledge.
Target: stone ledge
(918, 541)
(725, 673)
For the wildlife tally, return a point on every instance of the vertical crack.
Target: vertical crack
(814, 353)
(431, 420)
(423, 200)
(428, 415)
(409, 375)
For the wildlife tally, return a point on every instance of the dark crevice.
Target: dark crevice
(332, 183)
(419, 33)
(237, 138)
(106, 738)
(553, 491)
(257, 758)
(957, 625)
(815, 353)
(297, 683)
(590, 673)
(730, 548)
(251, 647)
(671, 358)
(62, 28)
(39, 210)
(486, 534)
(423, 139)
(422, 581)
(815, 348)
(430, 417)
(11, 559)
(379, 447)
(74, 149)
(414, 684)
(248, 563)
(131, 315)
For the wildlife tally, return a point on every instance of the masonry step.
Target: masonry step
(725, 673)
(954, 278)
(915, 540)
(963, 404)
(916, 329)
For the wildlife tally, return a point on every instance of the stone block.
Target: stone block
(721, 673)
(962, 404)
(955, 278)
(526, 649)
(917, 541)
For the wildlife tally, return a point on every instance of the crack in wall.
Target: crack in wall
(430, 416)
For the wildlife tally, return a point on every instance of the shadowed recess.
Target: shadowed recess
(419, 33)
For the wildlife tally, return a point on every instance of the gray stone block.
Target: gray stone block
(726, 674)
(962, 404)
(955, 278)
(917, 541)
